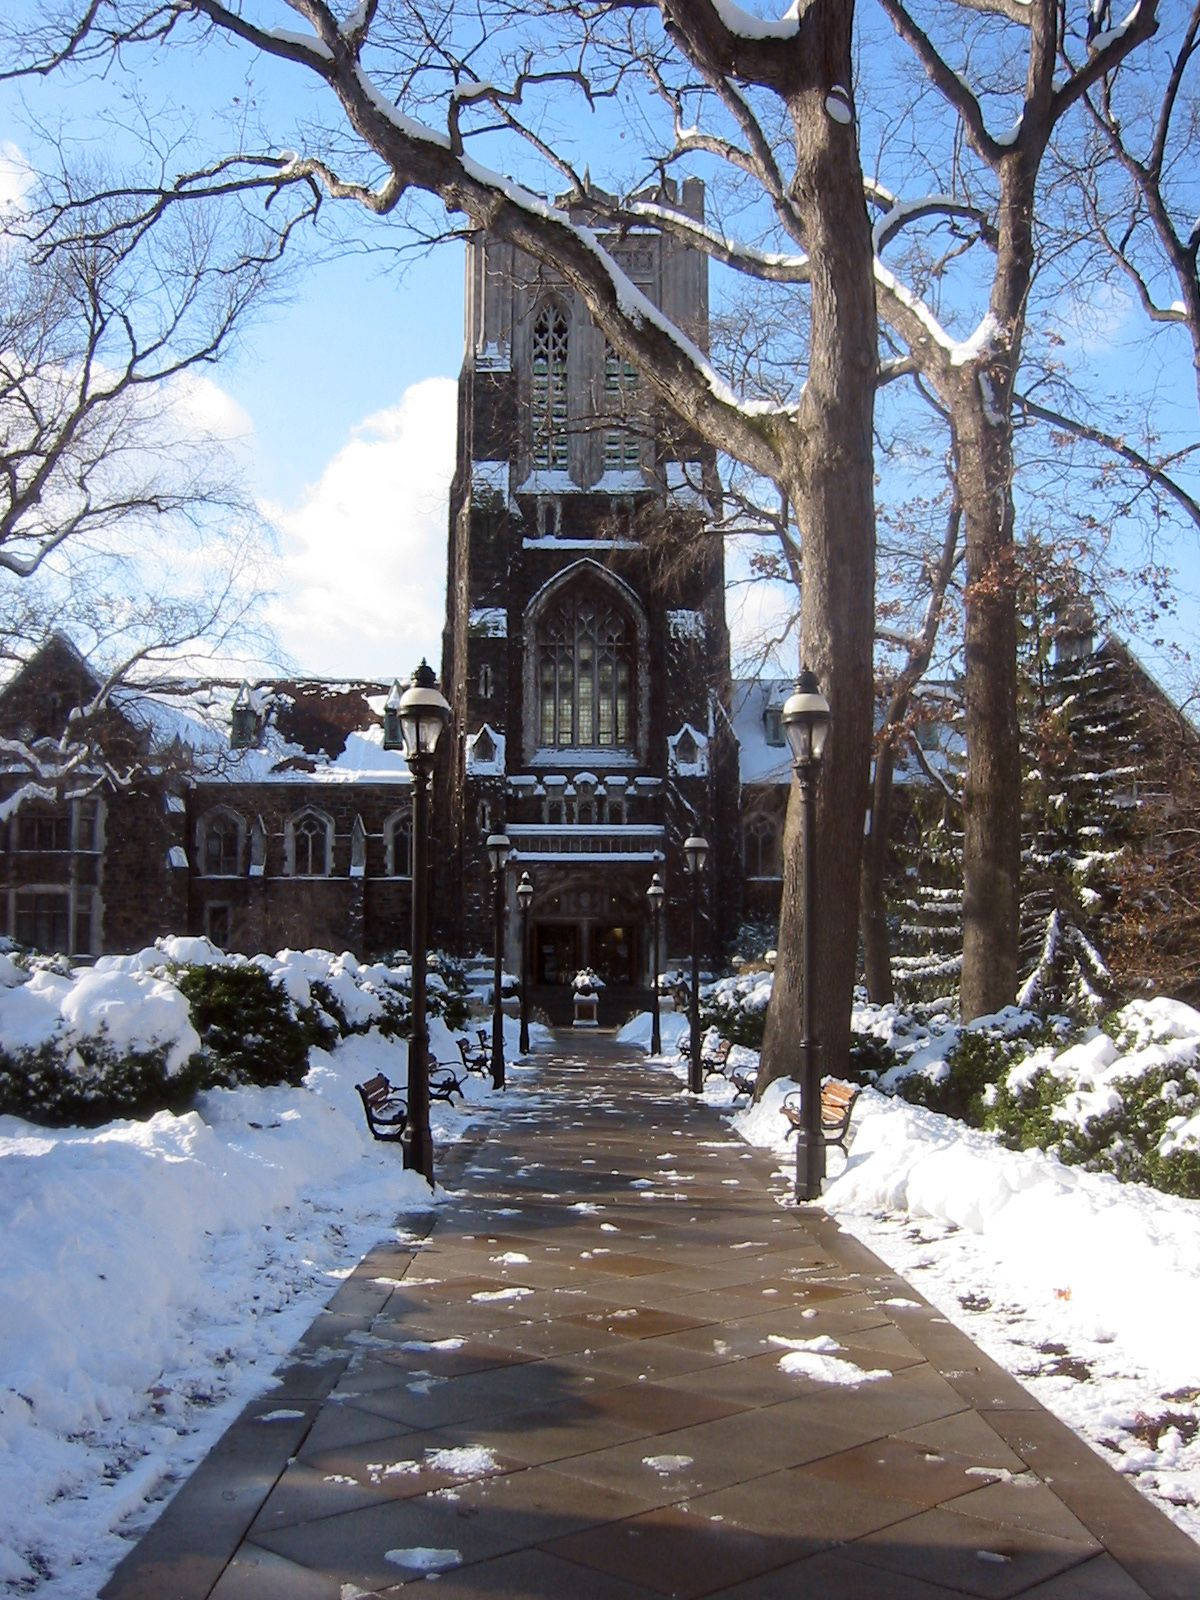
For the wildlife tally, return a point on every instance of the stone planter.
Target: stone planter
(585, 1009)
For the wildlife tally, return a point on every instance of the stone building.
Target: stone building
(586, 661)
(586, 655)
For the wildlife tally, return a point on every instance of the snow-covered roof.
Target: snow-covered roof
(758, 761)
(310, 730)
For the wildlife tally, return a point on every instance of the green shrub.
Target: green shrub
(250, 1033)
(90, 1083)
(974, 1068)
(870, 1058)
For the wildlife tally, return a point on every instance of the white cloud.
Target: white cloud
(362, 571)
(16, 177)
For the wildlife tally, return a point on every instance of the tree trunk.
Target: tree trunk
(832, 488)
(992, 794)
(872, 910)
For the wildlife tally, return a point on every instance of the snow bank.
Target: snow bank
(1125, 1257)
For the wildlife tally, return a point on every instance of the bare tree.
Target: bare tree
(426, 98)
(993, 59)
(1137, 177)
(122, 520)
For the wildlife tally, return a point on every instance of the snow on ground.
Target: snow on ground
(155, 1274)
(1085, 1288)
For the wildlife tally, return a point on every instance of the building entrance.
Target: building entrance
(556, 952)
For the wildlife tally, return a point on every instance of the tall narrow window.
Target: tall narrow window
(549, 396)
(761, 847)
(308, 837)
(398, 845)
(221, 849)
(622, 448)
(585, 653)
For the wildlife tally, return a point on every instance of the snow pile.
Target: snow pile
(157, 1271)
(1086, 1288)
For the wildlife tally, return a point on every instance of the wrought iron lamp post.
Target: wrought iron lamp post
(499, 850)
(524, 900)
(654, 898)
(806, 719)
(695, 854)
(423, 712)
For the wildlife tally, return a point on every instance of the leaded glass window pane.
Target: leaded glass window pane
(549, 396)
(585, 651)
(622, 448)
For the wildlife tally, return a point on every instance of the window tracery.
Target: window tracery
(622, 447)
(309, 845)
(584, 668)
(548, 404)
(761, 853)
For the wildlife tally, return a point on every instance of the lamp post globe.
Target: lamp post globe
(655, 895)
(498, 850)
(806, 720)
(695, 855)
(423, 712)
(525, 901)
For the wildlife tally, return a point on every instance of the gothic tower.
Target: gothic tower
(586, 655)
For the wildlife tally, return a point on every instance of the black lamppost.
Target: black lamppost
(524, 900)
(695, 854)
(423, 712)
(654, 899)
(499, 850)
(806, 720)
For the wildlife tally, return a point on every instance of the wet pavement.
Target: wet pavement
(566, 1384)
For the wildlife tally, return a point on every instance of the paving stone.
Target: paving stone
(644, 1440)
(987, 1559)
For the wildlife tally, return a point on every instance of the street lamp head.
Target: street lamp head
(655, 894)
(525, 893)
(695, 854)
(499, 850)
(423, 713)
(806, 719)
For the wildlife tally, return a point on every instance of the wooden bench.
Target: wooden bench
(385, 1108)
(712, 1060)
(476, 1058)
(837, 1104)
(744, 1083)
(444, 1081)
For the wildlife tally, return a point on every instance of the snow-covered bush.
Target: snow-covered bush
(1125, 1099)
(92, 1082)
(142, 1033)
(962, 1082)
(250, 1031)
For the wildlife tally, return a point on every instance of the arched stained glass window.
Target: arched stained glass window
(549, 397)
(584, 666)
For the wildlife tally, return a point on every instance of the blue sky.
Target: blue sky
(342, 394)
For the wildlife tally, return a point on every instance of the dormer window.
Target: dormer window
(246, 724)
(773, 726)
(392, 737)
(548, 399)
(549, 517)
(686, 749)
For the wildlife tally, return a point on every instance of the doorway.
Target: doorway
(555, 952)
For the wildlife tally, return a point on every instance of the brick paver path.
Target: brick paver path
(568, 1387)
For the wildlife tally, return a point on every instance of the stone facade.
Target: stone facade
(586, 654)
(586, 661)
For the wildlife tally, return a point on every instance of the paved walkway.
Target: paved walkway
(568, 1387)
